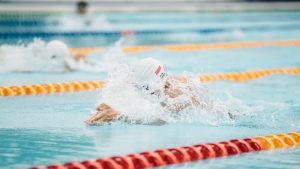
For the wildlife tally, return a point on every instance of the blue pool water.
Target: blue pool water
(150, 28)
(46, 129)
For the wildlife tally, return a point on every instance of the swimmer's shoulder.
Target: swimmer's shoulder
(175, 80)
(181, 78)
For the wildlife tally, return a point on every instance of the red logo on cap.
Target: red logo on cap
(158, 70)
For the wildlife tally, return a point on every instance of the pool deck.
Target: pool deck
(147, 5)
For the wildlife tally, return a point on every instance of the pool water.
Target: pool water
(101, 29)
(46, 129)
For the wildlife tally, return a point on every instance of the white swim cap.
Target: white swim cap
(148, 69)
(58, 48)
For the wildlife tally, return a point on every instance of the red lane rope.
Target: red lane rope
(184, 154)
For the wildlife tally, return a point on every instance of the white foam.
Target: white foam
(102, 62)
(138, 106)
(32, 57)
(37, 56)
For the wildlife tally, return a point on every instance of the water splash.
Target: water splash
(102, 62)
(273, 115)
(137, 106)
(32, 57)
(36, 57)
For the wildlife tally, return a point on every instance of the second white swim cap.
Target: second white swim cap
(58, 48)
(148, 69)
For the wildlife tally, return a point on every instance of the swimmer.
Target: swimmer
(59, 53)
(41, 57)
(150, 78)
(82, 7)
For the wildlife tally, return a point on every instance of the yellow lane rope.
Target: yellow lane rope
(249, 75)
(37, 89)
(193, 47)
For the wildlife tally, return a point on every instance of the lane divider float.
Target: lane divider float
(249, 75)
(193, 47)
(9, 34)
(169, 156)
(37, 89)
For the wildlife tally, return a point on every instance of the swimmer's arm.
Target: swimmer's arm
(183, 79)
(104, 114)
(79, 56)
(174, 92)
(76, 58)
(176, 108)
(72, 63)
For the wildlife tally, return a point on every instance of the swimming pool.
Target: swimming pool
(101, 29)
(46, 129)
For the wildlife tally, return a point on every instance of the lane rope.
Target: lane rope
(169, 156)
(8, 34)
(249, 75)
(193, 47)
(37, 89)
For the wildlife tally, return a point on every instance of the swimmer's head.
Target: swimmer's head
(148, 69)
(82, 7)
(58, 52)
(57, 49)
(149, 74)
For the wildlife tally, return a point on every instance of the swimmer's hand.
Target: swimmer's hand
(104, 114)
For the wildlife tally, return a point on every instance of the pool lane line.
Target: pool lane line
(10, 34)
(177, 155)
(37, 89)
(249, 75)
(193, 47)
(47, 88)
